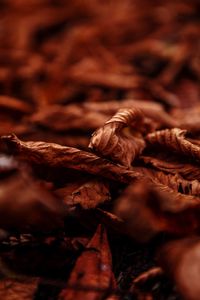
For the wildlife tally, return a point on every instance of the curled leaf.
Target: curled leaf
(113, 142)
(172, 165)
(175, 140)
(175, 182)
(54, 155)
(92, 275)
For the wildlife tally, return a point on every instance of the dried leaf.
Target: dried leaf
(91, 194)
(180, 259)
(171, 165)
(54, 155)
(11, 289)
(175, 182)
(113, 142)
(175, 140)
(87, 194)
(157, 208)
(92, 271)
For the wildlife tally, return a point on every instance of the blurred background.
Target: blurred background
(65, 64)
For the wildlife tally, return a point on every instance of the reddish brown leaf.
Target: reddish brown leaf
(113, 142)
(54, 155)
(175, 140)
(170, 164)
(175, 182)
(87, 194)
(92, 275)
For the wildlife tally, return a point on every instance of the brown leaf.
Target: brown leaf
(175, 182)
(172, 165)
(175, 140)
(113, 142)
(91, 194)
(92, 275)
(12, 289)
(180, 259)
(157, 208)
(25, 203)
(86, 194)
(54, 155)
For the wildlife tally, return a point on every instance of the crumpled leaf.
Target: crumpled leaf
(86, 195)
(157, 208)
(91, 194)
(25, 203)
(175, 140)
(92, 271)
(175, 182)
(172, 165)
(113, 142)
(180, 259)
(12, 289)
(54, 155)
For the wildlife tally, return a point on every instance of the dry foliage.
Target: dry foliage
(100, 132)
